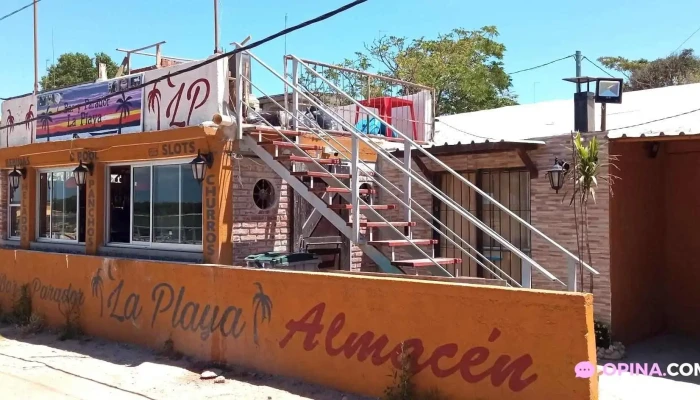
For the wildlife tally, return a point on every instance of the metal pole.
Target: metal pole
(36, 52)
(578, 69)
(216, 27)
(295, 93)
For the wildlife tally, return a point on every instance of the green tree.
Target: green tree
(676, 69)
(464, 67)
(76, 68)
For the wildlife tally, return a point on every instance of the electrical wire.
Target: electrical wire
(465, 132)
(210, 60)
(541, 65)
(655, 120)
(686, 39)
(603, 69)
(18, 10)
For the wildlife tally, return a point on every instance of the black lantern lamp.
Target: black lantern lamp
(557, 174)
(15, 175)
(80, 172)
(200, 165)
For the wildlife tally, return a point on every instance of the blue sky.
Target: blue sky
(534, 32)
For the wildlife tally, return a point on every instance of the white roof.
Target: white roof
(553, 118)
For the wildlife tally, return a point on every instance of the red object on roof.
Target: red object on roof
(385, 105)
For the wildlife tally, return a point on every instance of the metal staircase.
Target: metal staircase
(317, 180)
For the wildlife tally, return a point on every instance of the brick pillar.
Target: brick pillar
(28, 213)
(217, 211)
(94, 209)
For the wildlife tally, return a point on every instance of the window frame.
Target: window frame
(150, 245)
(38, 214)
(11, 205)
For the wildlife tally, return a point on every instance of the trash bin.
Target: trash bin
(289, 261)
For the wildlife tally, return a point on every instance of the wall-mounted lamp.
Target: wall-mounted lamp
(15, 175)
(80, 172)
(557, 174)
(200, 165)
(653, 149)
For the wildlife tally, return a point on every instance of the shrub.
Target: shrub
(602, 335)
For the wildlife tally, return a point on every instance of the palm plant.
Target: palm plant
(261, 302)
(154, 102)
(588, 170)
(124, 108)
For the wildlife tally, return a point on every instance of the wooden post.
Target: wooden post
(28, 215)
(95, 204)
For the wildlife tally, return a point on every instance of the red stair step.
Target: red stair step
(403, 242)
(363, 207)
(280, 143)
(319, 174)
(340, 190)
(426, 262)
(302, 159)
(379, 224)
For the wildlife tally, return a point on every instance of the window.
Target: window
(14, 203)
(155, 206)
(61, 207)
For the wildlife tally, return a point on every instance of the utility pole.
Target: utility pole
(36, 52)
(578, 69)
(216, 27)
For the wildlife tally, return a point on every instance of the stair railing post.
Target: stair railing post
(295, 93)
(355, 189)
(526, 273)
(407, 186)
(239, 95)
(571, 274)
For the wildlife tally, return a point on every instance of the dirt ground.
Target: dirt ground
(40, 367)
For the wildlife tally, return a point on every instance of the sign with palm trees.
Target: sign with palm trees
(83, 111)
(17, 122)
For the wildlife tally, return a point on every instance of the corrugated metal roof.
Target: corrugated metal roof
(554, 118)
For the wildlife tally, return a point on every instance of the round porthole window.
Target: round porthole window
(264, 194)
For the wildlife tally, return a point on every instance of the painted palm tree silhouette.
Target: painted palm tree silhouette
(97, 285)
(10, 121)
(263, 304)
(124, 108)
(45, 119)
(154, 102)
(28, 117)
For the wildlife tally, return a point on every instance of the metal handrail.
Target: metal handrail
(436, 192)
(339, 182)
(312, 130)
(423, 209)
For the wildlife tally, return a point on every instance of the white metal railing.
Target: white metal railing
(354, 188)
(405, 167)
(322, 136)
(431, 188)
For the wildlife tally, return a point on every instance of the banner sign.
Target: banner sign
(71, 112)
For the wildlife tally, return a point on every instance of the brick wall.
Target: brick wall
(552, 215)
(256, 230)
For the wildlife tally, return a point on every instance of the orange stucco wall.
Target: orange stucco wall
(341, 331)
